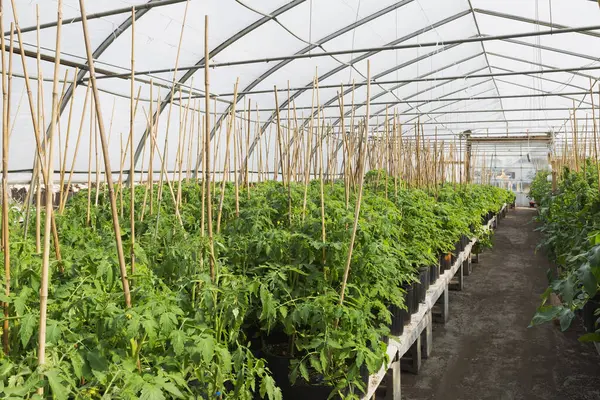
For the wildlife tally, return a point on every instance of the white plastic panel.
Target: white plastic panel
(235, 31)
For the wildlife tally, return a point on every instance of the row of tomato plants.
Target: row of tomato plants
(190, 336)
(569, 220)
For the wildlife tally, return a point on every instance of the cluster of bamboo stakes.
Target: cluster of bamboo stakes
(291, 153)
(578, 147)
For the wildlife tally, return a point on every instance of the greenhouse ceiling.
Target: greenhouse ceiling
(494, 67)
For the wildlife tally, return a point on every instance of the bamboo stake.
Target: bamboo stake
(172, 96)
(151, 159)
(120, 183)
(308, 151)
(207, 151)
(169, 185)
(142, 178)
(96, 133)
(89, 181)
(181, 147)
(260, 160)
(248, 147)
(64, 164)
(298, 145)
(48, 215)
(111, 194)
(575, 144)
(5, 228)
(59, 129)
(236, 170)
(132, 151)
(199, 152)
(321, 183)
(87, 92)
(230, 127)
(360, 186)
(190, 142)
(595, 128)
(289, 149)
(216, 151)
(38, 197)
(204, 163)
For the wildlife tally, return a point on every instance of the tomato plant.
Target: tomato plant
(276, 290)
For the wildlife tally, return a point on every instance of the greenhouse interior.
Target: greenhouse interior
(300, 199)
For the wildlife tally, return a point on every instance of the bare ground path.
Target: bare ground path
(486, 350)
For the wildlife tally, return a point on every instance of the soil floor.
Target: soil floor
(486, 351)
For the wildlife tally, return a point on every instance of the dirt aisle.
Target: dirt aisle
(486, 350)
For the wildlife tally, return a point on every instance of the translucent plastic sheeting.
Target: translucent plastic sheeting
(423, 83)
(510, 165)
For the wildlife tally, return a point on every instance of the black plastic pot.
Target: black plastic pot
(409, 303)
(589, 317)
(434, 273)
(457, 250)
(280, 368)
(423, 283)
(397, 324)
(416, 297)
(465, 241)
(445, 262)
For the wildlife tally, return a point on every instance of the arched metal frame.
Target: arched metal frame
(363, 57)
(143, 9)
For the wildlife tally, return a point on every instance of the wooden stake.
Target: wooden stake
(48, 213)
(248, 147)
(64, 201)
(360, 186)
(230, 128)
(132, 151)
(595, 128)
(61, 185)
(207, 151)
(89, 181)
(5, 226)
(236, 170)
(109, 181)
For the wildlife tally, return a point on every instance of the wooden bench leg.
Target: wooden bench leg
(394, 387)
(427, 337)
(458, 282)
(411, 361)
(467, 267)
(441, 306)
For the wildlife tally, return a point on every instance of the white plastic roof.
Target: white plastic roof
(408, 81)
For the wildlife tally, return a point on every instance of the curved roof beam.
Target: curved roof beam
(553, 49)
(420, 76)
(502, 110)
(491, 53)
(486, 57)
(147, 6)
(306, 50)
(530, 21)
(200, 64)
(365, 56)
(339, 146)
(378, 113)
(545, 91)
(101, 49)
(439, 98)
(547, 79)
(96, 54)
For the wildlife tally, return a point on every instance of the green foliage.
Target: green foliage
(187, 335)
(571, 238)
